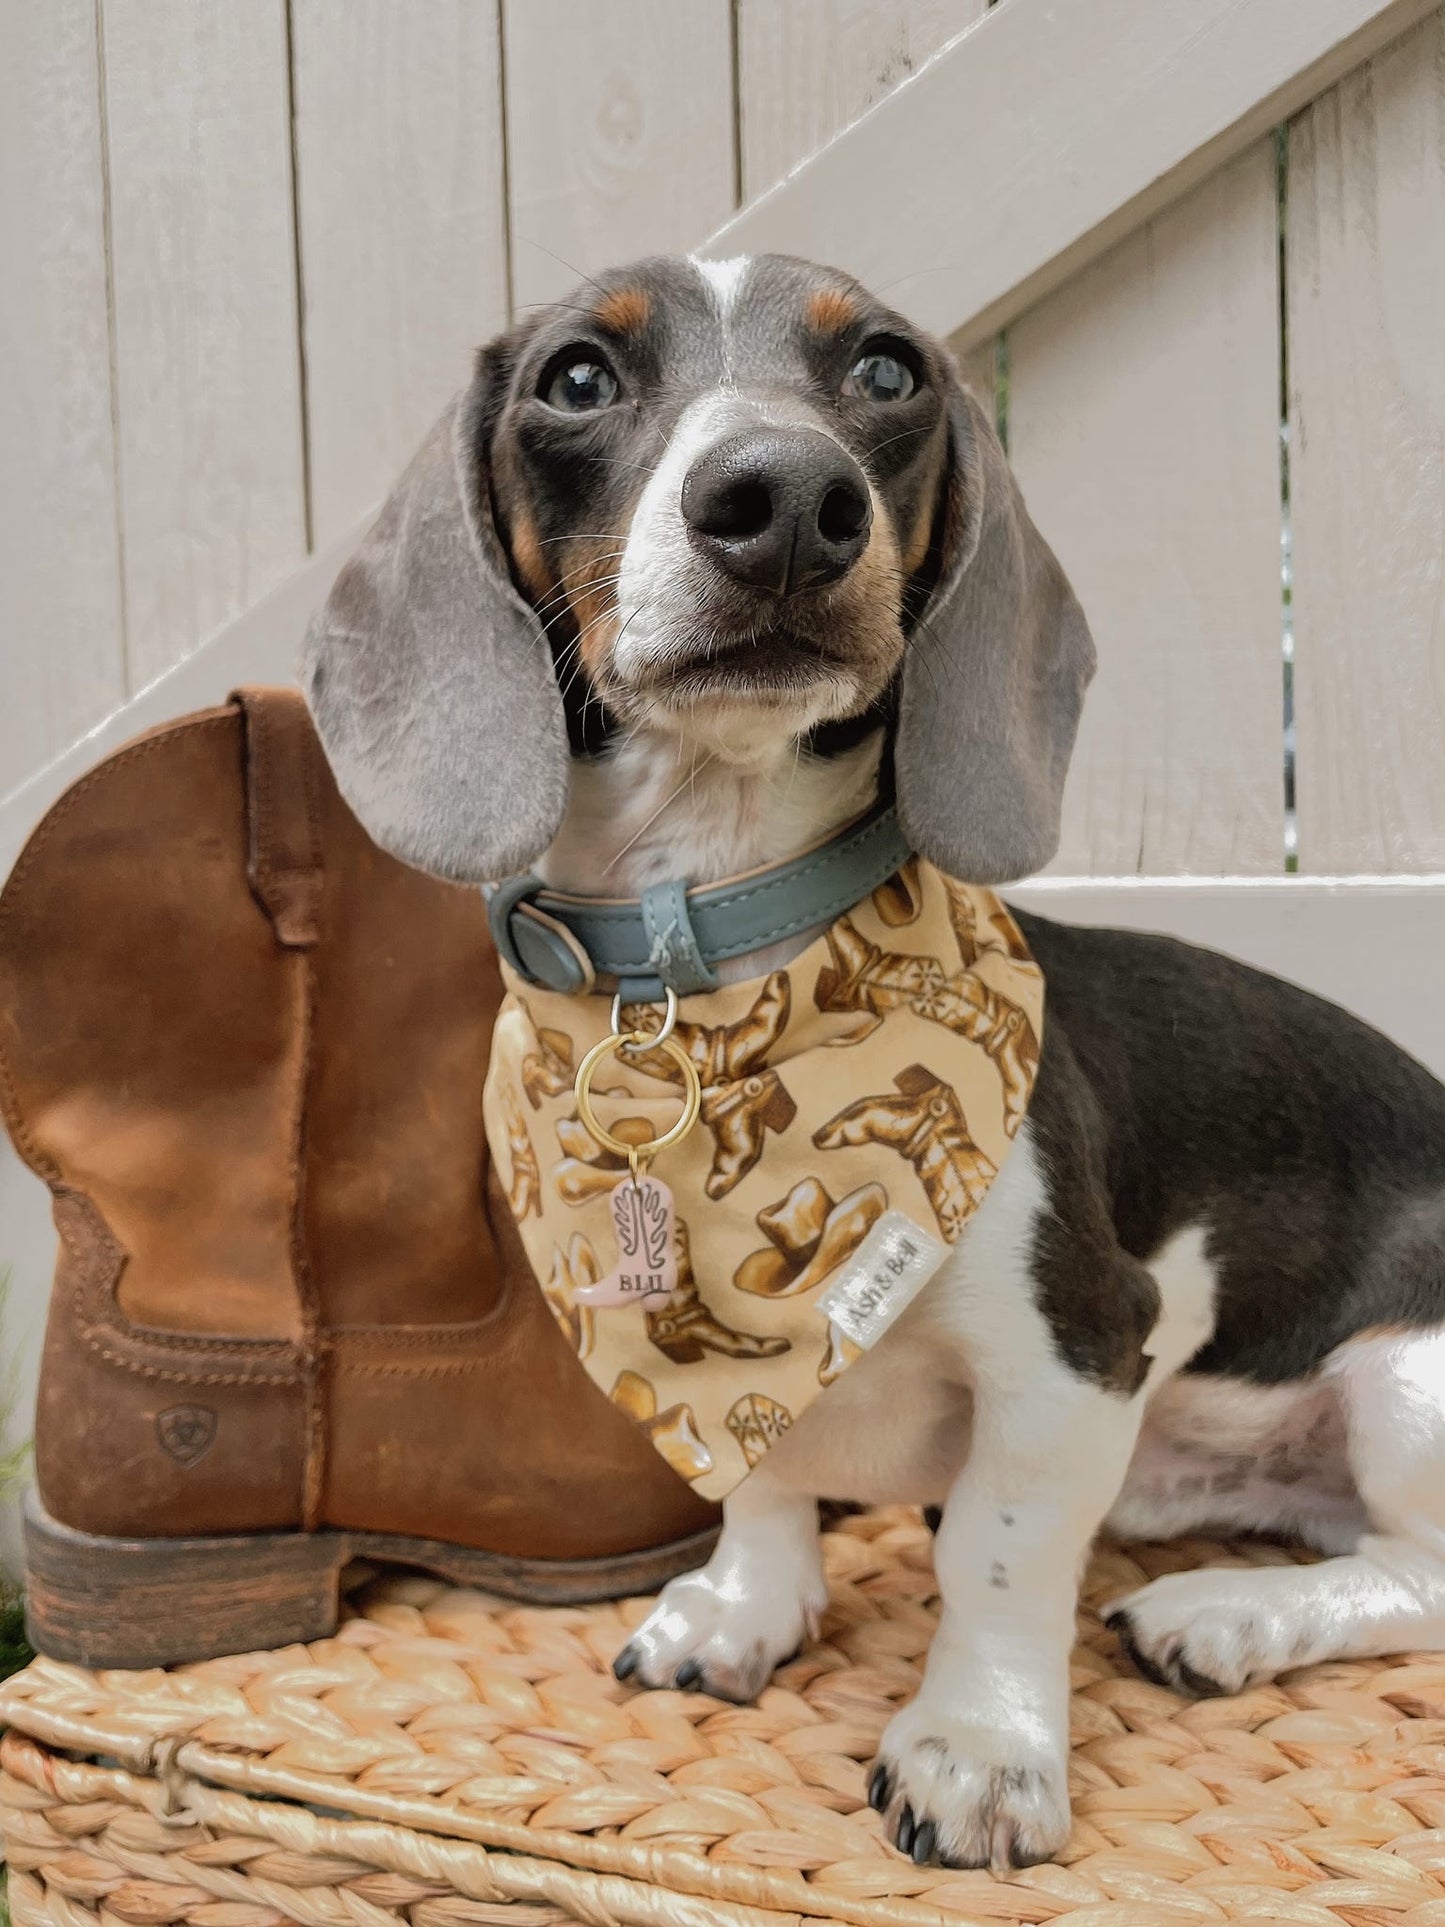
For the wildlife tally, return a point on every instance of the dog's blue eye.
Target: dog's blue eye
(879, 377)
(581, 387)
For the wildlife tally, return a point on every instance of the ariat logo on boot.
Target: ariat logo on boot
(187, 1432)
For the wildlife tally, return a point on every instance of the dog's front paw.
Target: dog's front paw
(714, 1641)
(968, 1795)
(1211, 1632)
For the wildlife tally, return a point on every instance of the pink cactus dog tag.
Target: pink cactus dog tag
(643, 1221)
(642, 1211)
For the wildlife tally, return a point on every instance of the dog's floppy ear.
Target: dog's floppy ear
(430, 679)
(994, 677)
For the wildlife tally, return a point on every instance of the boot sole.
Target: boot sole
(96, 1601)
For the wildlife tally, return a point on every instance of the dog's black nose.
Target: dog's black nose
(781, 509)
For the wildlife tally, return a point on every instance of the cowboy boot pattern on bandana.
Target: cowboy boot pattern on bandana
(683, 1328)
(549, 1070)
(673, 1432)
(524, 1188)
(741, 1097)
(924, 1124)
(588, 1169)
(963, 916)
(966, 907)
(1002, 1029)
(866, 1092)
(575, 1266)
(899, 898)
(861, 976)
(756, 1422)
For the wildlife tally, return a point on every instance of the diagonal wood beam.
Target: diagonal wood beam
(262, 644)
(1043, 134)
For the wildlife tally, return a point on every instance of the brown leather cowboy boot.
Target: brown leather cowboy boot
(292, 1322)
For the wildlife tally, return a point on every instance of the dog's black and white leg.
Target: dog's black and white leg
(894, 1427)
(1027, 1463)
(974, 1770)
(727, 1627)
(1221, 1630)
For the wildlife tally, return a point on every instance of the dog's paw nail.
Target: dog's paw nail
(970, 1796)
(880, 1788)
(925, 1842)
(1123, 1629)
(1200, 1684)
(687, 1675)
(626, 1662)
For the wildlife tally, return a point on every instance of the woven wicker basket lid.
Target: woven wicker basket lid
(1320, 1799)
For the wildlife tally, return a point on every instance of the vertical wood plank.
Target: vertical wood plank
(620, 133)
(206, 336)
(402, 227)
(60, 596)
(806, 68)
(1366, 294)
(1144, 429)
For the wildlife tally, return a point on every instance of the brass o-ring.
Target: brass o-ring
(609, 1046)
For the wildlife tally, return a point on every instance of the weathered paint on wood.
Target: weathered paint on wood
(621, 123)
(1046, 133)
(205, 345)
(808, 68)
(1143, 418)
(402, 224)
(62, 651)
(1366, 281)
(619, 134)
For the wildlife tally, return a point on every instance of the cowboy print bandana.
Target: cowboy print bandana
(856, 1106)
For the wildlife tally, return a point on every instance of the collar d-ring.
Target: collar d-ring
(669, 1022)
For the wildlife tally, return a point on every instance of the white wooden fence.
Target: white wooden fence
(1197, 248)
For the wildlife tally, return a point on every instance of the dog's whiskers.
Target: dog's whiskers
(563, 595)
(580, 535)
(918, 428)
(552, 255)
(565, 582)
(616, 461)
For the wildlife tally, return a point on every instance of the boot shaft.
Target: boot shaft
(246, 1048)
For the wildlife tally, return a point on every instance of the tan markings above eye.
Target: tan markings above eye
(625, 310)
(830, 310)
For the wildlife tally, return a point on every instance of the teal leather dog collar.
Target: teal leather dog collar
(671, 937)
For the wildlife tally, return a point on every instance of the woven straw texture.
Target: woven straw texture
(449, 1759)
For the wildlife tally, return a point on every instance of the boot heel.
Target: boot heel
(97, 1601)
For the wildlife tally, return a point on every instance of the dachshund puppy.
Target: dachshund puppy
(708, 557)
